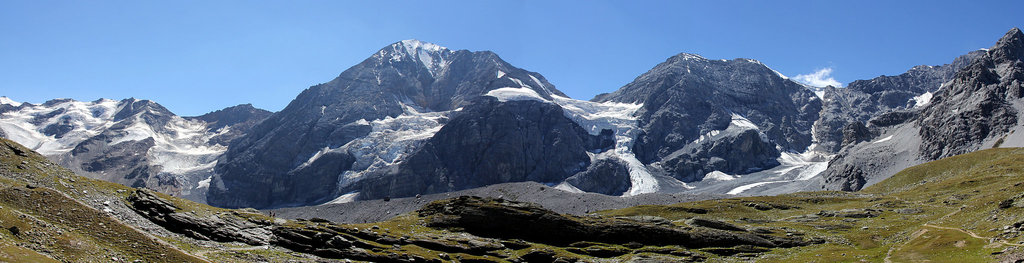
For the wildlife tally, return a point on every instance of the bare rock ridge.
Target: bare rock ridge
(978, 107)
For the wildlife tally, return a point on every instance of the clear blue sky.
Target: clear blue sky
(197, 56)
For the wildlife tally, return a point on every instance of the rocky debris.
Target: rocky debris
(856, 132)
(711, 223)
(770, 206)
(649, 219)
(893, 118)
(600, 251)
(526, 221)
(851, 213)
(732, 251)
(908, 211)
(543, 256)
(803, 218)
(218, 227)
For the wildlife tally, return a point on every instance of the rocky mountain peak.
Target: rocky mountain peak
(1010, 47)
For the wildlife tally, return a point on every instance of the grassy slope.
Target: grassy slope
(940, 232)
(957, 196)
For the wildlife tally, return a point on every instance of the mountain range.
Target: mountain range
(416, 118)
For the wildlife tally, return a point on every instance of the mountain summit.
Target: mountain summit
(295, 156)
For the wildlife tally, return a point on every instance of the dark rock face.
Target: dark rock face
(977, 103)
(217, 228)
(529, 222)
(688, 96)
(862, 100)
(408, 73)
(490, 142)
(605, 176)
(743, 153)
(238, 119)
(856, 132)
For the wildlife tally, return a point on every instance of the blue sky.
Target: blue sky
(198, 56)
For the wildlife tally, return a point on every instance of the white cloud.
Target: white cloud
(819, 78)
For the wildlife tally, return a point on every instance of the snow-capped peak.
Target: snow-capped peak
(413, 45)
(9, 101)
(688, 56)
(433, 57)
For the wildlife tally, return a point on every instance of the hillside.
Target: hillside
(965, 208)
(958, 209)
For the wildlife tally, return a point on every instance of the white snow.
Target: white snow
(432, 56)
(887, 138)
(205, 183)
(619, 118)
(390, 139)
(501, 74)
(565, 186)
(345, 198)
(923, 99)
(718, 176)
(181, 146)
(509, 93)
(738, 190)
(87, 119)
(8, 101)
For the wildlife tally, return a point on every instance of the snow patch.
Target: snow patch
(887, 138)
(738, 190)
(565, 186)
(345, 198)
(8, 101)
(390, 139)
(618, 117)
(501, 74)
(514, 94)
(205, 183)
(718, 176)
(923, 99)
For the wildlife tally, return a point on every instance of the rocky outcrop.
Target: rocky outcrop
(490, 142)
(605, 176)
(688, 97)
(223, 228)
(978, 103)
(532, 223)
(746, 152)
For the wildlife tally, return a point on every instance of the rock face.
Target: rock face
(689, 99)
(979, 107)
(217, 228)
(272, 164)
(605, 176)
(862, 100)
(133, 142)
(529, 222)
(490, 142)
(977, 104)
